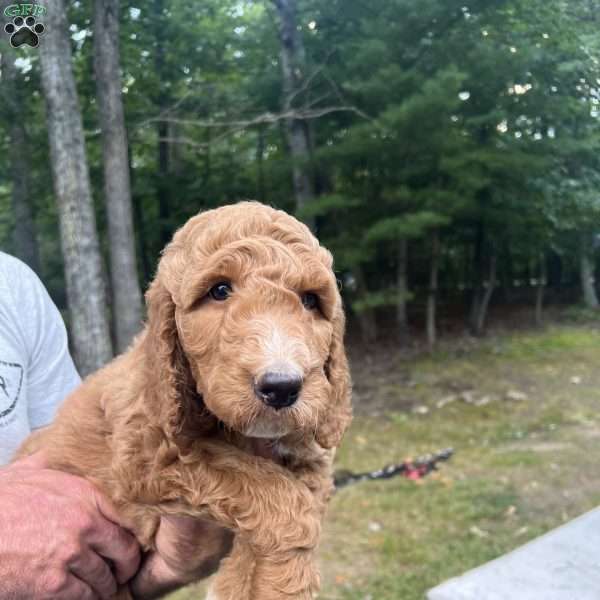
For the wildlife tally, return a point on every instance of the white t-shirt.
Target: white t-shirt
(36, 369)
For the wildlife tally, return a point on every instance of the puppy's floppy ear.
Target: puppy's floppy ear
(337, 413)
(170, 384)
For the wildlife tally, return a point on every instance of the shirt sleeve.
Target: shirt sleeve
(51, 374)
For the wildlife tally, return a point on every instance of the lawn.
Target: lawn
(521, 411)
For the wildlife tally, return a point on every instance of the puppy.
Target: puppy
(230, 403)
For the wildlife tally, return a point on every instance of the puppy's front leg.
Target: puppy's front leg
(262, 501)
(268, 575)
(291, 575)
(246, 575)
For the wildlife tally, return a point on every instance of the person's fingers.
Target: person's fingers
(115, 543)
(121, 548)
(77, 589)
(94, 570)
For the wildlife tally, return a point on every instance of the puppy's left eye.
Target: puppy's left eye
(220, 292)
(310, 301)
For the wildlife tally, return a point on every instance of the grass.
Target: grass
(521, 467)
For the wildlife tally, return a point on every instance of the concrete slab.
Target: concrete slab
(563, 564)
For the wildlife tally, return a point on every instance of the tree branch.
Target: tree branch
(235, 126)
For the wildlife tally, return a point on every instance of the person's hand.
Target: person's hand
(59, 537)
(187, 550)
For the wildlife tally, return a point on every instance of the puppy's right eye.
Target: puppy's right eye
(310, 301)
(220, 291)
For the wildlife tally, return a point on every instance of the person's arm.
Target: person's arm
(58, 537)
(51, 374)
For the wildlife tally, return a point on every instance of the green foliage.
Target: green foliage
(413, 225)
(326, 204)
(475, 123)
(387, 297)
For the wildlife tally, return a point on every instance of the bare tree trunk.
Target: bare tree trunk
(139, 224)
(477, 280)
(402, 290)
(126, 294)
(86, 293)
(433, 288)
(293, 66)
(506, 276)
(366, 317)
(24, 232)
(175, 150)
(162, 129)
(539, 294)
(586, 271)
(261, 189)
(487, 296)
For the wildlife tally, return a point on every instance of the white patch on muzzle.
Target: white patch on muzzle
(282, 353)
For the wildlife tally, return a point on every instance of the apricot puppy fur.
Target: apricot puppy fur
(230, 403)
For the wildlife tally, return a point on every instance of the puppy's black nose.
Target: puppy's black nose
(278, 390)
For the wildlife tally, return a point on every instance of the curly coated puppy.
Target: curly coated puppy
(229, 404)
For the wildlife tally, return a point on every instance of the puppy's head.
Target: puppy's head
(245, 314)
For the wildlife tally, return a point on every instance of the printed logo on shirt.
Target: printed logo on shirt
(11, 379)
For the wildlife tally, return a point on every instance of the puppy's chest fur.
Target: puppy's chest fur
(288, 452)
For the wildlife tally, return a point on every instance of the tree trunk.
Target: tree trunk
(539, 294)
(402, 290)
(293, 66)
(555, 272)
(261, 189)
(162, 129)
(487, 296)
(507, 274)
(206, 178)
(139, 225)
(176, 164)
(432, 292)
(477, 280)
(586, 270)
(24, 232)
(86, 293)
(126, 294)
(366, 317)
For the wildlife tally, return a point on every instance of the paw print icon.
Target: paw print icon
(24, 31)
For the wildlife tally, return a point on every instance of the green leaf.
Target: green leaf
(408, 226)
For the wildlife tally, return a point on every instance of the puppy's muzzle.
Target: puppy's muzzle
(278, 390)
